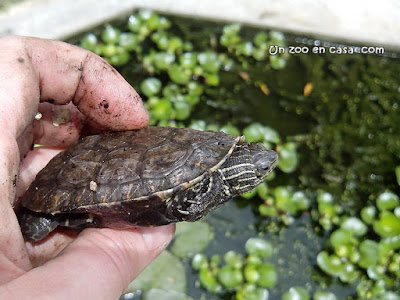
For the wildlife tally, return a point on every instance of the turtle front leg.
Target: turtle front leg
(197, 201)
(36, 226)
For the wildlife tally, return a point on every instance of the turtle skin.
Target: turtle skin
(147, 177)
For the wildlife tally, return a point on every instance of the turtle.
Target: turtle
(147, 177)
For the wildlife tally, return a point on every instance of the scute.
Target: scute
(125, 166)
(162, 159)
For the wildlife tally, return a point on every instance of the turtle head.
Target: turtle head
(247, 167)
(264, 160)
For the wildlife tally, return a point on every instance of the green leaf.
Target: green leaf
(166, 272)
(254, 132)
(260, 38)
(89, 42)
(331, 265)
(208, 280)
(156, 294)
(252, 292)
(268, 275)
(178, 74)
(271, 135)
(150, 86)
(230, 129)
(397, 172)
(387, 201)
(191, 238)
(259, 247)
(354, 225)
(322, 295)
(341, 237)
(162, 110)
(296, 293)
(350, 274)
(230, 277)
(388, 225)
(301, 201)
(129, 40)
(283, 199)
(369, 251)
(262, 191)
(163, 60)
(209, 61)
(288, 158)
(188, 60)
(368, 214)
(110, 35)
(234, 259)
(134, 23)
(182, 110)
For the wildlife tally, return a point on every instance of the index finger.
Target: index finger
(67, 73)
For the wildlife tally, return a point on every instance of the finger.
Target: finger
(59, 125)
(99, 264)
(40, 253)
(34, 161)
(20, 92)
(68, 73)
(57, 72)
(19, 97)
(12, 248)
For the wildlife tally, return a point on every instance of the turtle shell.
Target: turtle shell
(110, 169)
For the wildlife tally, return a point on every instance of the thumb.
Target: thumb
(99, 264)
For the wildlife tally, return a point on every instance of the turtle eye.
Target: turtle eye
(262, 167)
(264, 162)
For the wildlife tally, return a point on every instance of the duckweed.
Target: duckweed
(150, 86)
(387, 201)
(257, 247)
(252, 292)
(239, 274)
(288, 157)
(397, 172)
(169, 58)
(281, 203)
(267, 275)
(321, 295)
(230, 277)
(110, 35)
(355, 255)
(296, 293)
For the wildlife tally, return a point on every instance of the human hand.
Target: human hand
(56, 79)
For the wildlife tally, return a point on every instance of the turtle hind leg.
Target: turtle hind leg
(36, 226)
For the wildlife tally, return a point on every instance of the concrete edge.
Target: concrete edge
(358, 21)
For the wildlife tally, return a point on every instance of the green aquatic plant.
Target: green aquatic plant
(365, 250)
(151, 42)
(246, 277)
(257, 49)
(352, 147)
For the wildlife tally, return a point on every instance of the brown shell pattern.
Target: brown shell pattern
(122, 166)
